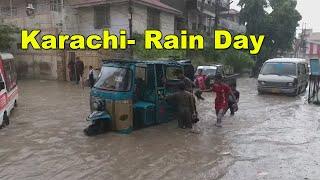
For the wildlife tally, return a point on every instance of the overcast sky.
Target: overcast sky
(309, 9)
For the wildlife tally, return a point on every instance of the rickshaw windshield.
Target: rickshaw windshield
(172, 73)
(114, 79)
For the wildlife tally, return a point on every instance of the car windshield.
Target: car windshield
(281, 69)
(208, 71)
(114, 79)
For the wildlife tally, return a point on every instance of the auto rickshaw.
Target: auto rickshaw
(130, 94)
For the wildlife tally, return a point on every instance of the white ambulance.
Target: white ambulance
(8, 87)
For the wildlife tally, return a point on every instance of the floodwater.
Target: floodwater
(271, 137)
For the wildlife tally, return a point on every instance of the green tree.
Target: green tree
(254, 15)
(153, 54)
(283, 23)
(6, 36)
(279, 26)
(231, 58)
(238, 60)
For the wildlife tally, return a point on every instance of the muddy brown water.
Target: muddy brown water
(271, 137)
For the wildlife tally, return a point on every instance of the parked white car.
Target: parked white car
(284, 75)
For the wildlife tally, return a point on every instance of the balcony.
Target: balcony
(231, 25)
(225, 4)
(210, 4)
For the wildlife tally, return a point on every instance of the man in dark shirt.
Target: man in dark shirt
(71, 69)
(91, 79)
(79, 69)
(186, 107)
(187, 82)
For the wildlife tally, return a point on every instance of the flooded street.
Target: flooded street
(271, 137)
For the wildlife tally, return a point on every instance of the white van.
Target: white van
(8, 87)
(283, 75)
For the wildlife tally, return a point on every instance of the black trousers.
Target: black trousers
(184, 118)
(230, 106)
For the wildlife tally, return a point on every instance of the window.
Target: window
(179, 25)
(302, 69)
(55, 5)
(140, 81)
(6, 11)
(34, 4)
(159, 75)
(141, 73)
(101, 17)
(194, 26)
(153, 19)
(10, 74)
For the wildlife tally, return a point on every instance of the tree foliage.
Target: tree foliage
(233, 58)
(283, 23)
(153, 54)
(279, 26)
(253, 13)
(6, 36)
(237, 60)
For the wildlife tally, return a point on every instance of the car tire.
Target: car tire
(5, 121)
(297, 92)
(260, 92)
(15, 104)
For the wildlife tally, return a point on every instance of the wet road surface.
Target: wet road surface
(271, 137)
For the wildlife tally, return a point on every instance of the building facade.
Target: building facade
(80, 17)
(308, 45)
(201, 16)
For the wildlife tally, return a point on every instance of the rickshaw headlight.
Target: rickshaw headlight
(97, 104)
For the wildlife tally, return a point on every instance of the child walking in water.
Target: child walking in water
(222, 91)
(233, 100)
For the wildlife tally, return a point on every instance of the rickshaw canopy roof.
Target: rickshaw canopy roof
(134, 62)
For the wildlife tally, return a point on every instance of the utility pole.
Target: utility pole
(187, 26)
(11, 8)
(130, 9)
(201, 16)
(302, 43)
(217, 13)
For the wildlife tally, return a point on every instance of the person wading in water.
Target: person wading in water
(186, 107)
(222, 91)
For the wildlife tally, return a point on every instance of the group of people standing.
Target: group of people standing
(76, 71)
(227, 97)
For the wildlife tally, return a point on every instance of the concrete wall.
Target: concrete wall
(37, 65)
(53, 64)
(139, 20)
(167, 23)
(84, 17)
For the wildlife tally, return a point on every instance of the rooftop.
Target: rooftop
(287, 60)
(6, 56)
(150, 3)
(315, 36)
